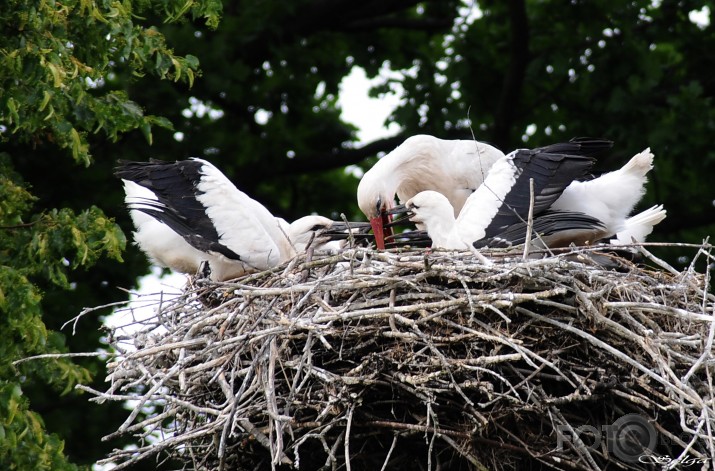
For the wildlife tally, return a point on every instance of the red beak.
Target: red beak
(379, 230)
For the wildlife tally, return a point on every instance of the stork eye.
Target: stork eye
(317, 227)
(378, 205)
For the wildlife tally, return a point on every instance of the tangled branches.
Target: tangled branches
(420, 360)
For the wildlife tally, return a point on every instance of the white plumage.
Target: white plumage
(454, 168)
(637, 228)
(612, 196)
(188, 212)
(555, 228)
(573, 211)
(433, 210)
(243, 224)
(163, 246)
(483, 205)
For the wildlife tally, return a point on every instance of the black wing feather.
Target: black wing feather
(552, 168)
(414, 238)
(547, 224)
(175, 185)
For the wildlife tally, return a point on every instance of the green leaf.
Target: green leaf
(146, 130)
(161, 122)
(12, 108)
(79, 148)
(191, 61)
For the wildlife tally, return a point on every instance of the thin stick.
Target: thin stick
(530, 220)
(61, 355)
(348, 426)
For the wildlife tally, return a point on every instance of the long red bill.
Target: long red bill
(379, 230)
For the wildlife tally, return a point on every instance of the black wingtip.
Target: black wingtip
(549, 223)
(586, 147)
(125, 169)
(137, 171)
(591, 145)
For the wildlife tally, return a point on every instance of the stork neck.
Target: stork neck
(444, 233)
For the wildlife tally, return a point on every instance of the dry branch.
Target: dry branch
(425, 360)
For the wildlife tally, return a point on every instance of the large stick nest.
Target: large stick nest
(427, 360)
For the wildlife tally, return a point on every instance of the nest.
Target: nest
(427, 360)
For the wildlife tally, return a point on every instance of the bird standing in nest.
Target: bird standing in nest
(565, 211)
(454, 168)
(188, 214)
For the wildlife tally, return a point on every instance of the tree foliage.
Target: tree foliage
(91, 81)
(37, 245)
(54, 57)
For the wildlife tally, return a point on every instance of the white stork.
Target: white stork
(565, 210)
(188, 212)
(554, 227)
(454, 168)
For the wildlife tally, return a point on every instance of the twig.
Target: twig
(529, 220)
(61, 355)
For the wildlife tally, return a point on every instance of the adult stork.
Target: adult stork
(555, 228)
(454, 168)
(566, 211)
(504, 198)
(187, 213)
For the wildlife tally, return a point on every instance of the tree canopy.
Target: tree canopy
(253, 87)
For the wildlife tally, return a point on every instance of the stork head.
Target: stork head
(428, 206)
(318, 232)
(374, 201)
(434, 211)
(307, 231)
